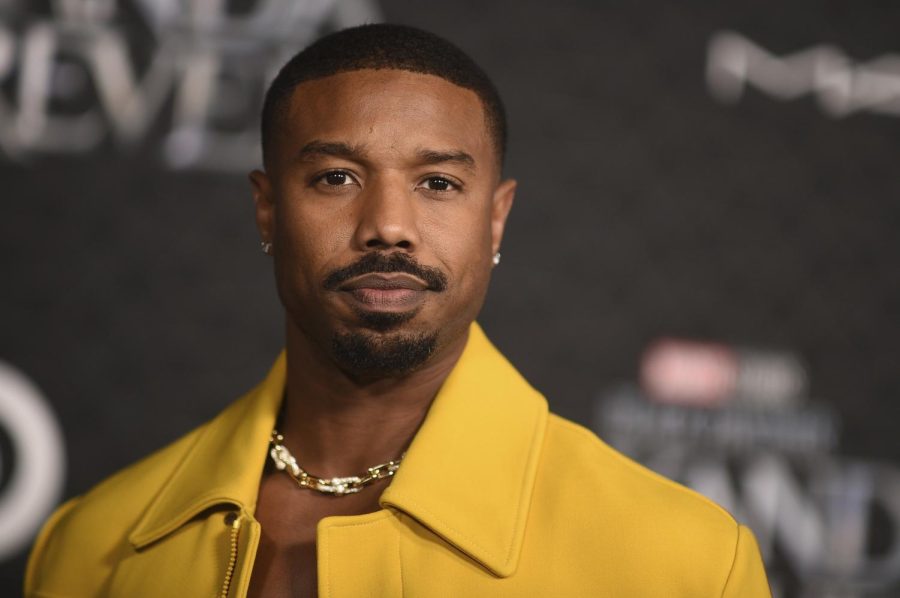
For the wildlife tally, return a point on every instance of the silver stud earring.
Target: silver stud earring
(266, 247)
(497, 259)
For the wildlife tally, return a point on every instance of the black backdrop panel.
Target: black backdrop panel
(135, 296)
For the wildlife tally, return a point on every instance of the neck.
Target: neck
(336, 425)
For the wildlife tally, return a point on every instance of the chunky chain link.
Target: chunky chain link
(285, 461)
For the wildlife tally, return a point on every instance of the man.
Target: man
(405, 455)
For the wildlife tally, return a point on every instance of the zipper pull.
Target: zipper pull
(232, 520)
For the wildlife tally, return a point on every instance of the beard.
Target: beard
(381, 348)
(369, 355)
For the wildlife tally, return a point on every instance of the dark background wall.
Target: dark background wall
(134, 294)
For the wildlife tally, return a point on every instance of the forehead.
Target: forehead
(387, 109)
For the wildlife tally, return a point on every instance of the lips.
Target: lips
(386, 292)
(385, 282)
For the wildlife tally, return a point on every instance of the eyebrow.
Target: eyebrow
(454, 156)
(330, 148)
(357, 152)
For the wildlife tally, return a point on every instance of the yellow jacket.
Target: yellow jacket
(495, 497)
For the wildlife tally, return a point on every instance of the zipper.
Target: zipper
(232, 520)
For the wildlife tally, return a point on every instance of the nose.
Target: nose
(387, 217)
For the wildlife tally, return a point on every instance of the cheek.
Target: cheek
(310, 240)
(460, 241)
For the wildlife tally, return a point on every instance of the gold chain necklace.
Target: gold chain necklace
(285, 461)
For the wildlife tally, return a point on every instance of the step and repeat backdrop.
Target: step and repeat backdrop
(703, 263)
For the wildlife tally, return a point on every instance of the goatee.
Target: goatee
(371, 355)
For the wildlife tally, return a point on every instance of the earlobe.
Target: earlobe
(265, 206)
(504, 195)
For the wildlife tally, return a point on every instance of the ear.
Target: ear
(504, 195)
(265, 205)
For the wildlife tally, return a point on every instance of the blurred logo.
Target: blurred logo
(695, 373)
(736, 425)
(32, 461)
(187, 76)
(840, 85)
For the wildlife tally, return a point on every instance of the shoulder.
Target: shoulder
(83, 536)
(634, 517)
(579, 454)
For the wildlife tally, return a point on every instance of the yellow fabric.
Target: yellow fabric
(496, 497)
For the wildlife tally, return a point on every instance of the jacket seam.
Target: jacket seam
(326, 565)
(534, 455)
(43, 538)
(387, 515)
(399, 565)
(204, 501)
(151, 512)
(737, 543)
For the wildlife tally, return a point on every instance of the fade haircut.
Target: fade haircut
(382, 46)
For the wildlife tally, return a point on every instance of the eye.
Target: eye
(336, 178)
(439, 183)
(333, 179)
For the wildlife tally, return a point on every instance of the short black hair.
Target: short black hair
(383, 46)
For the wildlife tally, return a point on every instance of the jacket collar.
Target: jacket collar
(223, 466)
(469, 472)
(467, 476)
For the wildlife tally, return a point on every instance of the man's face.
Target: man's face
(383, 201)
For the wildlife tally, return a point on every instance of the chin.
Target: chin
(382, 353)
(385, 321)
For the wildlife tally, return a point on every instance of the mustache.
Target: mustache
(385, 263)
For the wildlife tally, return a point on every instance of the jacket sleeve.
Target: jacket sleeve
(747, 578)
(34, 571)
